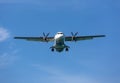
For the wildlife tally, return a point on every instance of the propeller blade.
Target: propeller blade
(76, 34)
(44, 34)
(47, 34)
(72, 34)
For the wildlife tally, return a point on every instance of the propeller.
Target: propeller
(74, 35)
(45, 36)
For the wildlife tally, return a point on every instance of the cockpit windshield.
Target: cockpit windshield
(59, 33)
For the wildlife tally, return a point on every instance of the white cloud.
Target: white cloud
(60, 4)
(54, 5)
(8, 52)
(4, 34)
(46, 3)
(55, 75)
(7, 58)
(59, 76)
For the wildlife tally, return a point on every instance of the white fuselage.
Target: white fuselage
(59, 42)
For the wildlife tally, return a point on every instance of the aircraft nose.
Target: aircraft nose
(59, 36)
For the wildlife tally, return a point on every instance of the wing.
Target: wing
(41, 39)
(78, 38)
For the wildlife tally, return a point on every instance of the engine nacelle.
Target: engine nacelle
(74, 36)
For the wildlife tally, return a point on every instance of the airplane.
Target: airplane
(59, 40)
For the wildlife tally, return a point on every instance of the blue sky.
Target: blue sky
(91, 61)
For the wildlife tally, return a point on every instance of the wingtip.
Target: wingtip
(104, 35)
(14, 37)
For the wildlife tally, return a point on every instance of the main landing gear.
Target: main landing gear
(66, 49)
(52, 49)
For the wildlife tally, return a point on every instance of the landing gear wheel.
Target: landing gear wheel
(66, 49)
(52, 49)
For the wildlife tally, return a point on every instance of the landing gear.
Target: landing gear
(59, 49)
(66, 49)
(52, 49)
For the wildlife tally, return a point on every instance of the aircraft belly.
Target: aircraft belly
(59, 49)
(59, 45)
